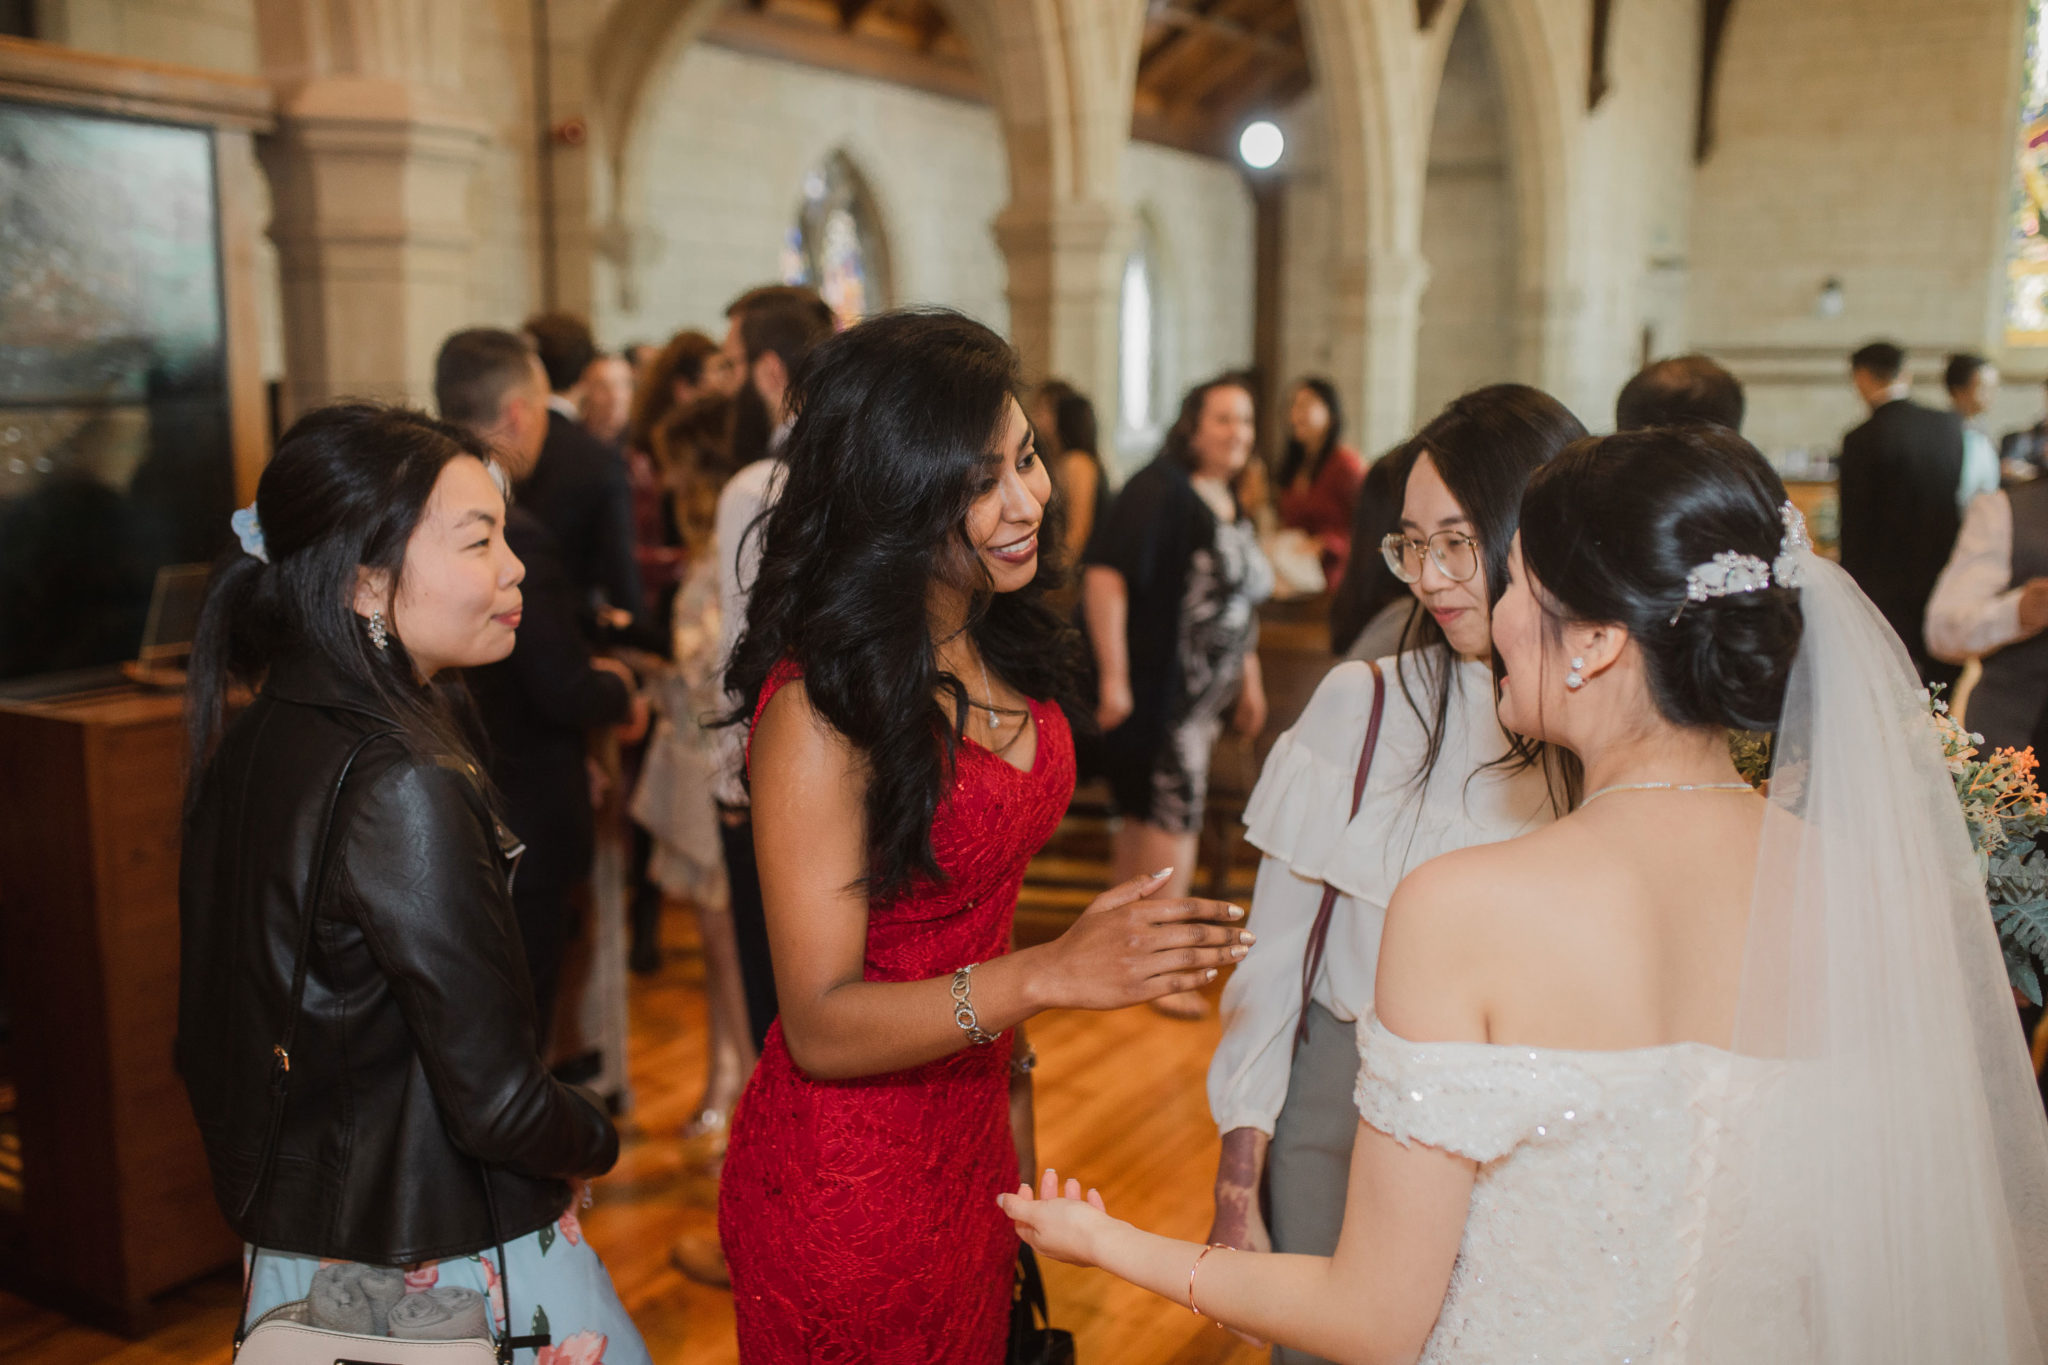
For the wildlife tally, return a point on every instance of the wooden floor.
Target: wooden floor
(1120, 1100)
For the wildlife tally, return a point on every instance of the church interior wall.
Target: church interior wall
(1308, 228)
(1205, 224)
(1632, 207)
(504, 191)
(722, 153)
(218, 34)
(1861, 140)
(1868, 141)
(1469, 230)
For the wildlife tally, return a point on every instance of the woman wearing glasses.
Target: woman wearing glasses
(1442, 775)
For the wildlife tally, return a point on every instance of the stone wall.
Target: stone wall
(1868, 141)
(1633, 203)
(729, 138)
(1469, 232)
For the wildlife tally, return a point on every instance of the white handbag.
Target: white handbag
(278, 1341)
(279, 1338)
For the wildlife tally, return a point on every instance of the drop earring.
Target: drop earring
(1575, 680)
(379, 636)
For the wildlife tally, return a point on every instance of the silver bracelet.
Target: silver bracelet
(963, 1009)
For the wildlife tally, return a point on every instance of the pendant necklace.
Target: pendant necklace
(1666, 787)
(990, 692)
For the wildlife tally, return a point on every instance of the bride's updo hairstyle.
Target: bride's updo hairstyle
(1611, 528)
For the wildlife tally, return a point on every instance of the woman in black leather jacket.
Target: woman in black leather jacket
(356, 1028)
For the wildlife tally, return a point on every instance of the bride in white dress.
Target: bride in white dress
(1689, 1075)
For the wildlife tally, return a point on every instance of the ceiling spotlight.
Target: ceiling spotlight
(1261, 145)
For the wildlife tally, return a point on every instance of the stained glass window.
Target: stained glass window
(835, 245)
(2026, 307)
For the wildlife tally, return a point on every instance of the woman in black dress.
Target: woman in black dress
(1173, 581)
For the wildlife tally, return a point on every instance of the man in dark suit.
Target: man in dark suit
(539, 704)
(578, 487)
(1899, 521)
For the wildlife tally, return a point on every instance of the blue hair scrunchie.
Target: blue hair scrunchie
(250, 532)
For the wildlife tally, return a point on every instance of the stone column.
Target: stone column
(370, 168)
(371, 222)
(1066, 288)
(1378, 317)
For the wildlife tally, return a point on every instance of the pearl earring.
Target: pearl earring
(1574, 680)
(379, 636)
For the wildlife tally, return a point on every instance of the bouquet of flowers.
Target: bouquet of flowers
(2007, 816)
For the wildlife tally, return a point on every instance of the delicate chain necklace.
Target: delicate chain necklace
(990, 692)
(1666, 787)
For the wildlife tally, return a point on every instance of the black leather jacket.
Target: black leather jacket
(414, 1055)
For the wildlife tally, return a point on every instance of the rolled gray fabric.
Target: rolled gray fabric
(384, 1287)
(443, 1313)
(339, 1303)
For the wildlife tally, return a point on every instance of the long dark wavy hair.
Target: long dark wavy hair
(897, 421)
(345, 489)
(1296, 456)
(1485, 445)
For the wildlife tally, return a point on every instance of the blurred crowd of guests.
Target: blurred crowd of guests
(637, 477)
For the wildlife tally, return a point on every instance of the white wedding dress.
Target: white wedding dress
(1590, 1211)
(1862, 1179)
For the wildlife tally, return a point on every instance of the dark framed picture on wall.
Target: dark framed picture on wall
(115, 454)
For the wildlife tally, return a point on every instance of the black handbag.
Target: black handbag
(1033, 1338)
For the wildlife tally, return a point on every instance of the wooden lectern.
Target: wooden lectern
(116, 1202)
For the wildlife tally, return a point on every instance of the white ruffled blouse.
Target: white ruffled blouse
(1297, 817)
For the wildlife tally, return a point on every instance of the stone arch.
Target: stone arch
(1367, 59)
(1542, 96)
(1471, 235)
(1062, 72)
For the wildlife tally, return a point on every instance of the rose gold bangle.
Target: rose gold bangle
(1213, 1246)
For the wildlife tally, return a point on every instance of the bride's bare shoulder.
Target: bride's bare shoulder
(1456, 923)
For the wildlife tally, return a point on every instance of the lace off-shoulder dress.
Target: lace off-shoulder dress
(1590, 1211)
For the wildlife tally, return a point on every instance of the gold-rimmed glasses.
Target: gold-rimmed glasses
(1454, 553)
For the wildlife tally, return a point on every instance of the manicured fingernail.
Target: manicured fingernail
(1162, 874)
(1239, 951)
(1247, 936)
(1209, 975)
(1236, 912)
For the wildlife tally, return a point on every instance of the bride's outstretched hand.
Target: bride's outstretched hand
(1062, 1226)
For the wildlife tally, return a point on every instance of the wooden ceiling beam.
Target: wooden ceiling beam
(1175, 35)
(1266, 93)
(812, 43)
(850, 12)
(1233, 31)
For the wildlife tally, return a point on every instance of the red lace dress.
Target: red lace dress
(859, 1217)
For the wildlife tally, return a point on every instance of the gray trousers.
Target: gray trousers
(1308, 1166)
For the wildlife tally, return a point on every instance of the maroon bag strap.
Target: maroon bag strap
(1319, 935)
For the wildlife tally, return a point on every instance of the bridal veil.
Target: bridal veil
(1886, 1199)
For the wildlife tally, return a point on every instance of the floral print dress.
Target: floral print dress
(559, 1289)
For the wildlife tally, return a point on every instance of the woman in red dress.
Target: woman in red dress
(908, 755)
(1319, 476)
